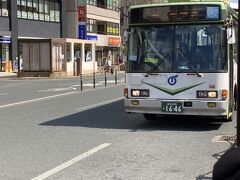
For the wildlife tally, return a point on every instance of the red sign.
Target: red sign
(114, 41)
(81, 13)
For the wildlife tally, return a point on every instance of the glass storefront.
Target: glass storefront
(4, 56)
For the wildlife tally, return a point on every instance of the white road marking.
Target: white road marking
(38, 99)
(57, 89)
(71, 162)
(90, 84)
(69, 84)
(3, 94)
(99, 104)
(100, 83)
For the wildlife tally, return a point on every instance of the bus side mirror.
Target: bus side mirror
(231, 35)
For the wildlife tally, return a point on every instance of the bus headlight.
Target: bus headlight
(140, 93)
(207, 94)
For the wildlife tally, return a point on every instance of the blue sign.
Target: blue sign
(82, 31)
(172, 80)
(91, 37)
(5, 40)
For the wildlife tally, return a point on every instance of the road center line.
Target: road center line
(38, 99)
(71, 162)
(99, 104)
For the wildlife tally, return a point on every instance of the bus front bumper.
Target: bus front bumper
(198, 107)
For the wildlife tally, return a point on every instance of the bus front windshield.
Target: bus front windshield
(177, 48)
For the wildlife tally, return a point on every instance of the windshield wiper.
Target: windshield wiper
(189, 64)
(161, 57)
(152, 70)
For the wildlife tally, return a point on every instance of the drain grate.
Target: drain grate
(225, 138)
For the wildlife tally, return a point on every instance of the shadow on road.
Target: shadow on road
(112, 116)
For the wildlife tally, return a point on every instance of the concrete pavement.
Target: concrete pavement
(8, 74)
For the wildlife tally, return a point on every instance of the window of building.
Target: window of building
(4, 7)
(24, 9)
(112, 29)
(29, 9)
(91, 26)
(35, 10)
(46, 11)
(43, 10)
(106, 4)
(109, 4)
(19, 15)
(91, 2)
(52, 11)
(100, 28)
(57, 11)
(82, 2)
(115, 5)
(101, 3)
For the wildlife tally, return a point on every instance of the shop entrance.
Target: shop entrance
(4, 56)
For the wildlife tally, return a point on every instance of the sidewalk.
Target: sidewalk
(13, 75)
(8, 75)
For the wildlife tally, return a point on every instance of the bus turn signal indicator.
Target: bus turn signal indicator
(224, 94)
(125, 92)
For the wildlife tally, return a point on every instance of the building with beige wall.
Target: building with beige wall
(97, 20)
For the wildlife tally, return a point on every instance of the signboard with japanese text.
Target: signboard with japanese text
(82, 30)
(114, 41)
(81, 13)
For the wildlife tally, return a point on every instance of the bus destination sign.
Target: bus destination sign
(175, 13)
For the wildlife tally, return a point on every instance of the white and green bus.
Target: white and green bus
(182, 59)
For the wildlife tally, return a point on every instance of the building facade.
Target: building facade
(97, 20)
(69, 36)
(22, 22)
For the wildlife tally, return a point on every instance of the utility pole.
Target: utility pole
(238, 80)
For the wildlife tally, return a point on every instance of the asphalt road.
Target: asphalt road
(47, 133)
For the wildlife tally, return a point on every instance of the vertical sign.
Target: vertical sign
(81, 13)
(82, 30)
(82, 22)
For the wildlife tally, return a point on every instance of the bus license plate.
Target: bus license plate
(172, 107)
